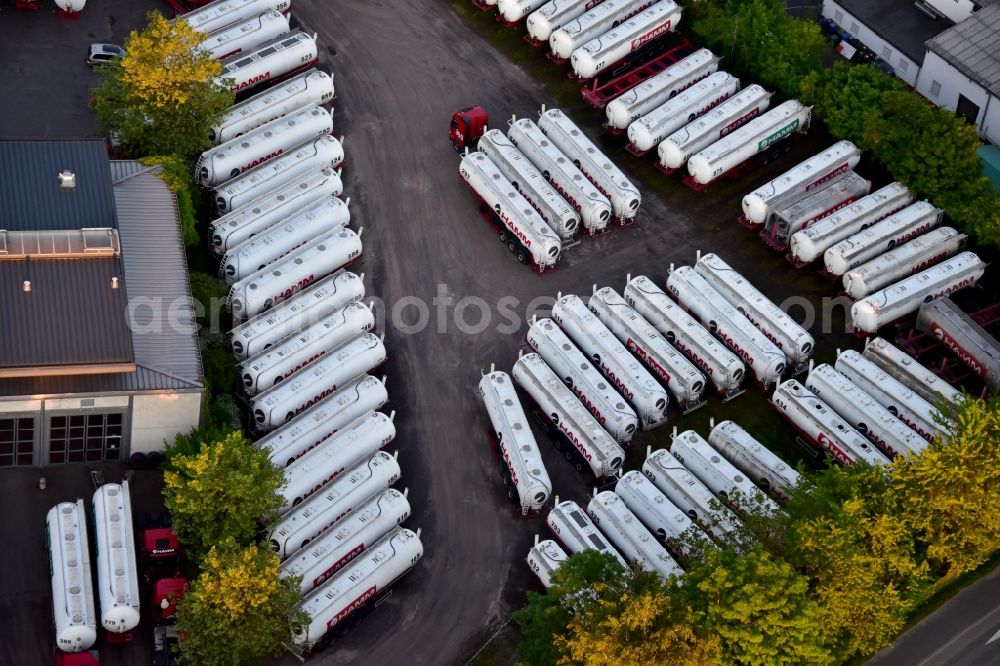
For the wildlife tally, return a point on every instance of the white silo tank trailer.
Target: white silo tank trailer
(237, 156)
(595, 209)
(544, 558)
(263, 63)
(665, 520)
(912, 257)
(618, 43)
(280, 279)
(243, 223)
(646, 132)
(576, 531)
(312, 87)
(910, 373)
(630, 537)
(552, 15)
(217, 15)
(516, 445)
(583, 379)
(644, 98)
(820, 425)
(577, 434)
(863, 412)
(838, 158)
(793, 340)
(702, 300)
(117, 575)
(905, 297)
(513, 11)
(237, 38)
(754, 459)
(312, 304)
(348, 538)
(283, 237)
(526, 179)
(809, 244)
(634, 382)
(676, 372)
(722, 367)
(276, 364)
(326, 151)
(352, 489)
(813, 206)
(898, 228)
(72, 590)
(321, 378)
(960, 333)
(590, 23)
(592, 163)
(321, 421)
(357, 587)
(674, 151)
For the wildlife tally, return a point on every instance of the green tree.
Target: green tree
(238, 611)
(219, 492)
(161, 98)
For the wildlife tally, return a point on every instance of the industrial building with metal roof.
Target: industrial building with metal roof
(99, 353)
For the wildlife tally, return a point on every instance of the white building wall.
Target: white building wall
(160, 417)
(950, 84)
(905, 68)
(20, 406)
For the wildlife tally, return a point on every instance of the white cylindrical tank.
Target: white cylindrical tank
(574, 33)
(243, 223)
(256, 253)
(326, 151)
(813, 206)
(819, 168)
(364, 481)
(793, 340)
(594, 208)
(614, 360)
(511, 208)
(734, 329)
(632, 539)
(910, 373)
(960, 333)
(600, 52)
(568, 415)
(265, 62)
(280, 279)
(515, 10)
(755, 137)
(810, 243)
(644, 98)
(321, 421)
(329, 294)
(722, 367)
(677, 374)
(276, 364)
(593, 163)
(72, 589)
(244, 35)
(347, 539)
(919, 254)
(818, 423)
(730, 115)
(647, 132)
(863, 412)
(576, 531)
(117, 575)
(906, 296)
(217, 15)
(312, 87)
(583, 379)
(669, 524)
(757, 461)
(237, 156)
(278, 405)
(554, 14)
(883, 236)
(526, 179)
(544, 558)
(352, 588)
(516, 444)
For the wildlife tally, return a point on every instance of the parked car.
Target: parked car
(101, 54)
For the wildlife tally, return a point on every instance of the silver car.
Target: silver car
(101, 54)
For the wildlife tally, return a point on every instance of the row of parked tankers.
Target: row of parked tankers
(303, 338)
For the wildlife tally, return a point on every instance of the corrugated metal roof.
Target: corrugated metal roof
(898, 22)
(143, 379)
(973, 47)
(71, 316)
(30, 196)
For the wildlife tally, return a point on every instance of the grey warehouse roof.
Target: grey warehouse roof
(898, 22)
(973, 47)
(30, 196)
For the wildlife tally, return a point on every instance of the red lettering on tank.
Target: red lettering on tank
(576, 441)
(927, 263)
(253, 80)
(959, 350)
(365, 597)
(727, 338)
(955, 287)
(829, 176)
(298, 286)
(312, 401)
(827, 443)
(617, 382)
(261, 160)
(510, 224)
(652, 34)
(569, 199)
(354, 552)
(649, 360)
(912, 234)
(691, 354)
(303, 364)
(510, 465)
(739, 122)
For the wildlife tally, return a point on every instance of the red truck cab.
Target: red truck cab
(87, 658)
(467, 126)
(159, 553)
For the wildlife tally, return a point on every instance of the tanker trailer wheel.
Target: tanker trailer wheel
(511, 246)
(522, 256)
(454, 144)
(569, 455)
(502, 235)
(579, 466)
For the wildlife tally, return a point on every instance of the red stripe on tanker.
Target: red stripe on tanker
(595, 56)
(976, 348)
